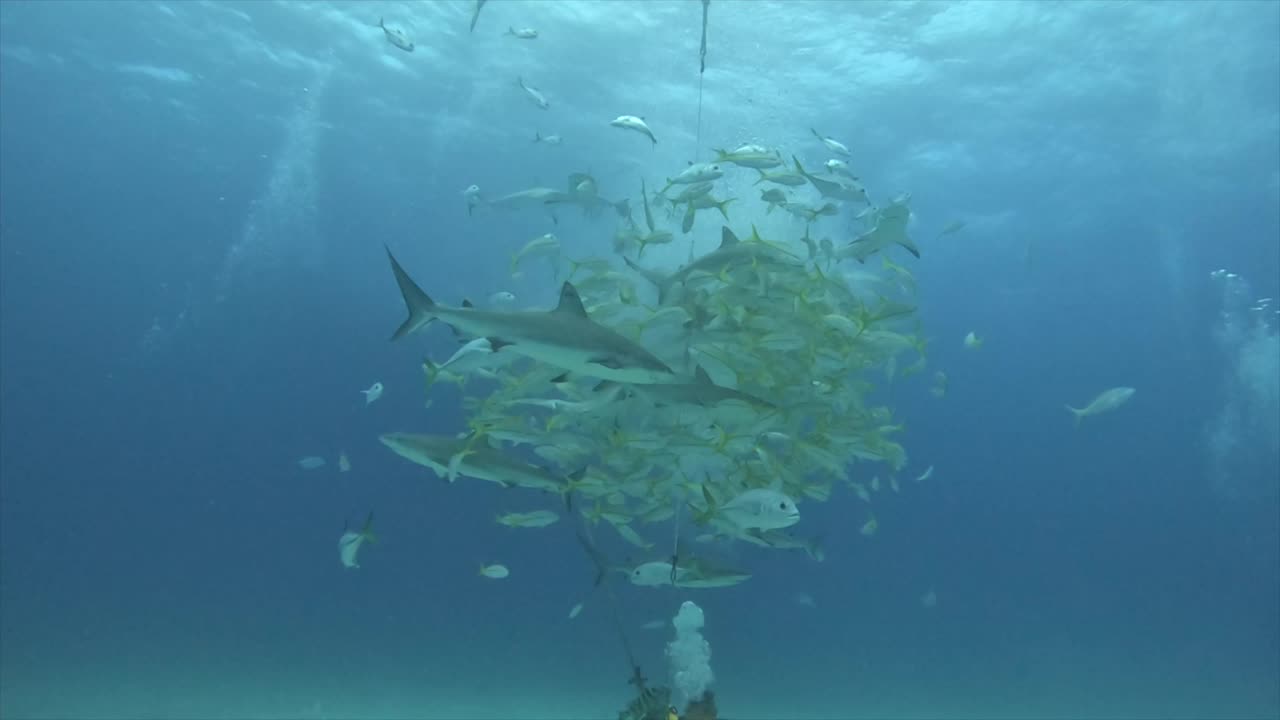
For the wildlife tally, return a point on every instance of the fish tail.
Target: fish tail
(431, 370)
(420, 305)
(1077, 414)
(910, 246)
(721, 207)
(653, 277)
(367, 531)
(704, 517)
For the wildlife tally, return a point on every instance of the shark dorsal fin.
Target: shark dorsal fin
(701, 377)
(727, 238)
(467, 303)
(570, 301)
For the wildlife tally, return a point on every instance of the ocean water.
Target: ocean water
(194, 199)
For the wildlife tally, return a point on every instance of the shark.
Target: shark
(565, 337)
(702, 391)
(890, 229)
(839, 190)
(731, 253)
(585, 193)
(470, 457)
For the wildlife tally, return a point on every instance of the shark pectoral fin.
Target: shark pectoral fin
(496, 344)
(910, 246)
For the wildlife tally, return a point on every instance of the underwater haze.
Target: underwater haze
(194, 292)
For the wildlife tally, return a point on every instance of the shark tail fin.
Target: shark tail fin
(367, 531)
(656, 278)
(704, 517)
(420, 305)
(1077, 414)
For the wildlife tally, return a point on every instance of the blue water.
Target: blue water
(193, 291)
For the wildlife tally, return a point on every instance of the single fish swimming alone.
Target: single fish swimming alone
(523, 33)
(311, 462)
(534, 94)
(631, 122)
(1106, 401)
(396, 37)
(350, 542)
(373, 393)
(474, 198)
(832, 144)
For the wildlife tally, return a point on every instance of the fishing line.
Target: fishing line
(601, 563)
(702, 68)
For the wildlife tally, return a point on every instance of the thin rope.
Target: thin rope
(702, 68)
(698, 148)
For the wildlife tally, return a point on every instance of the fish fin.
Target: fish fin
(721, 207)
(701, 376)
(431, 370)
(367, 531)
(727, 238)
(1077, 414)
(498, 343)
(909, 245)
(570, 301)
(420, 305)
(466, 303)
(607, 361)
(704, 517)
(560, 379)
(653, 277)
